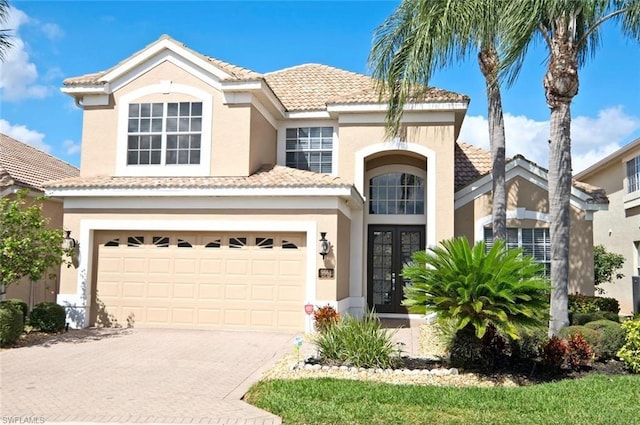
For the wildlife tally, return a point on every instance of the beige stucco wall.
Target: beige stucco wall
(523, 194)
(617, 229)
(438, 138)
(263, 141)
(332, 221)
(46, 288)
(230, 129)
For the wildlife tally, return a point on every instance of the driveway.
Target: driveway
(139, 376)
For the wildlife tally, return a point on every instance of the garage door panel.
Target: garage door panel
(258, 284)
(265, 292)
(184, 290)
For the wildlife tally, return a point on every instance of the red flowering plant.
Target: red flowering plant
(325, 317)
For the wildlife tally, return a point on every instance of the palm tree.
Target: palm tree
(422, 36)
(570, 29)
(5, 44)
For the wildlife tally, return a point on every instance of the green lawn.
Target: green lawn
(588, 401)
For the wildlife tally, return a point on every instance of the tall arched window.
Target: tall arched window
(396, 193)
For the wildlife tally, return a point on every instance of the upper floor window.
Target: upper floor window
(310, 148)
(396, 193)
(164, 133)
(633, 175)
(534, 242)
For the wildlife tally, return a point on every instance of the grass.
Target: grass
(594, 400)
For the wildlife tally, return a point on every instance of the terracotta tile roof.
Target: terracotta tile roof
(472, 162)
(24, 165)
(311, 87)
(236, 72)
(268, 177)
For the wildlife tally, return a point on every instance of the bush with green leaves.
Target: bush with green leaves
(527, 347)
(11, 324)
(358, 342)
(21, 306)
(48, 317)
(502, 288)
(611, 339)
(584, 318)
(579, 303)
(630, 351)
(592, 336)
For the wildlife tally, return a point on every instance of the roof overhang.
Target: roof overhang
(520, 167)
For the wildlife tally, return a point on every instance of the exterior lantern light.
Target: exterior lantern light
(69, 242)
(324, 244)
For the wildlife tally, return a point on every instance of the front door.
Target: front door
(390, 248)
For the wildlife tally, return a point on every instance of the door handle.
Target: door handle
(393, 281)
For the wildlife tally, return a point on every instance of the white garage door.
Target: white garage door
(201, 280)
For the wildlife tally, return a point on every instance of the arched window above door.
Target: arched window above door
(396, 193)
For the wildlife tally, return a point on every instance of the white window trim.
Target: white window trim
(517, 214)
(629, 199)
(419, 219)
(282, 138)
(165, 87)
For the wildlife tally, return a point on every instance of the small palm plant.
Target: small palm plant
(478, 290)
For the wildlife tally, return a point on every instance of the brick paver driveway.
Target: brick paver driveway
(139, 375)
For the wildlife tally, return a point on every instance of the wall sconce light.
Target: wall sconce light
(69, 242)
(324, 244)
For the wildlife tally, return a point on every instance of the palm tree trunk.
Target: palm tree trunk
(489, 65)
(559, 208)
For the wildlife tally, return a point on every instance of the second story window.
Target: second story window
(633, 175)
(310, 148)
(164, 133)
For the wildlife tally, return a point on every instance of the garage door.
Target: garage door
(201, 280)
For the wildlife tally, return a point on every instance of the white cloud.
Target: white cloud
(52, 31)
(18, 74)
(71, 147)
(23, 134)
(591, 138)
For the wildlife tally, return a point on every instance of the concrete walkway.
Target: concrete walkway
(139, 376)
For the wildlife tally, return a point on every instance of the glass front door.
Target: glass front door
(390, 248)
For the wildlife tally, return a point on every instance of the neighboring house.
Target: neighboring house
(618, 229)
(25, 167)
(205, 189)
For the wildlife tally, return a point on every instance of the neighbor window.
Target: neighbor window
(310, 148)
(164, 133)
(633, 175)
(396, 193)
(533, 241)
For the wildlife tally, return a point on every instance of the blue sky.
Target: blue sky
(55, 40)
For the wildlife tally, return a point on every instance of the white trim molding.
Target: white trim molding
(428, 154)
(202, 169)
(523, 168)
(517, 214)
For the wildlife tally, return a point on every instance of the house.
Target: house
(24, 167)
(212, 196)
(618, 228)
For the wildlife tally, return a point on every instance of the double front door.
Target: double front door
(389, 248)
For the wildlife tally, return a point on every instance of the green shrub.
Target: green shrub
(630, 351)
(612, 338)
(359, 343)
(592, 336)
(48, 317)
(11, 324)
(501, 288)
(530, 342)
(21, 306)
(579, 303)
(584, 318)
(467, 350)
